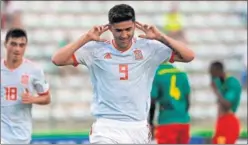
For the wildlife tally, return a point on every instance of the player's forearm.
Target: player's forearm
(222, 100)
(42, 99)
(186, 55)
(188, 103)
(64, 54)
(152, 112)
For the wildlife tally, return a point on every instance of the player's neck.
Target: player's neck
(223, 77)
(119, 48)
(12, 64)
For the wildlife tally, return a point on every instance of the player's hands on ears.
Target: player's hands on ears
(151, 32)
(95, 33)
(26, 97)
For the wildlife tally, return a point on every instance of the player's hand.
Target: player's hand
(214, 87)
(95, 33)
(26, 97)
(151, 32)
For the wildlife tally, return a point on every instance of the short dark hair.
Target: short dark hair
(15, 33)
(217, 65)
(121, 12)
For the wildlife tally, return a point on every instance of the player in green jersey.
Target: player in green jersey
(228, 92)
(171, 91)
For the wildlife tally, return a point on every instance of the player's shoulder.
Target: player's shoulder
(29, 62)
(142, 44)
(32, 66)
(97, 46)
(99, 43)
(147, 42)
(141, 41)
(231, 80)
(92, 45)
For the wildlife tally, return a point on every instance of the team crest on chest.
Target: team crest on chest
(107, 56)
(24, 79)
(138, 54)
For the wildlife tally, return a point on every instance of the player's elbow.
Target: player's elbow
(190, 56)
(47, 100)
(56, 61)
(227, 105)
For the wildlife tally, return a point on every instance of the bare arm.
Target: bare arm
(223, 101)
(64, 55)
(188, 102)
(152, 112)
(42, 99)
(151, 116)
(182, 53)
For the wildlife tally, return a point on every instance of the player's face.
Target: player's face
(15, 48)
(123, 33)
(214, 72)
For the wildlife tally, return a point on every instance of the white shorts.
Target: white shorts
(3, 141)
(106, 131)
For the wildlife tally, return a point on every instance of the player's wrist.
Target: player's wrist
(85, 39)
(160, 37)
(32, 99)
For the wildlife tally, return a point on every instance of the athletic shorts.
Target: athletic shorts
(173, 134)
(227, 129)
(107, 131)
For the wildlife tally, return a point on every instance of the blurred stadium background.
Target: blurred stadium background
(213, 29)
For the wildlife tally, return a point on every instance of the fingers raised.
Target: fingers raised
(139, 24)
(105, 28)
(101, 29)
(26, 90)
(140, 27)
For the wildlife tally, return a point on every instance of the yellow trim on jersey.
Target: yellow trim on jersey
(228, 76)
(171, 70)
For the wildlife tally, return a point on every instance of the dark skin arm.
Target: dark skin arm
(226, 104)
(152, 112)
(188, 102)
(151, 116)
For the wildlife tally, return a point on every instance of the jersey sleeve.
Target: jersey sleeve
(155, 89)
(161, 52)
(84, 55)
(186, 85)
(230, 94)
(40, 84)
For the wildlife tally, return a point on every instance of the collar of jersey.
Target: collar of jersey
(122, 52)
(12, 70)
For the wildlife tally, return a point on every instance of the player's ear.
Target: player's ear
(110, 27)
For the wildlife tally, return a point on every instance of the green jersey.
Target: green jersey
(171, 90)
(231, 90)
